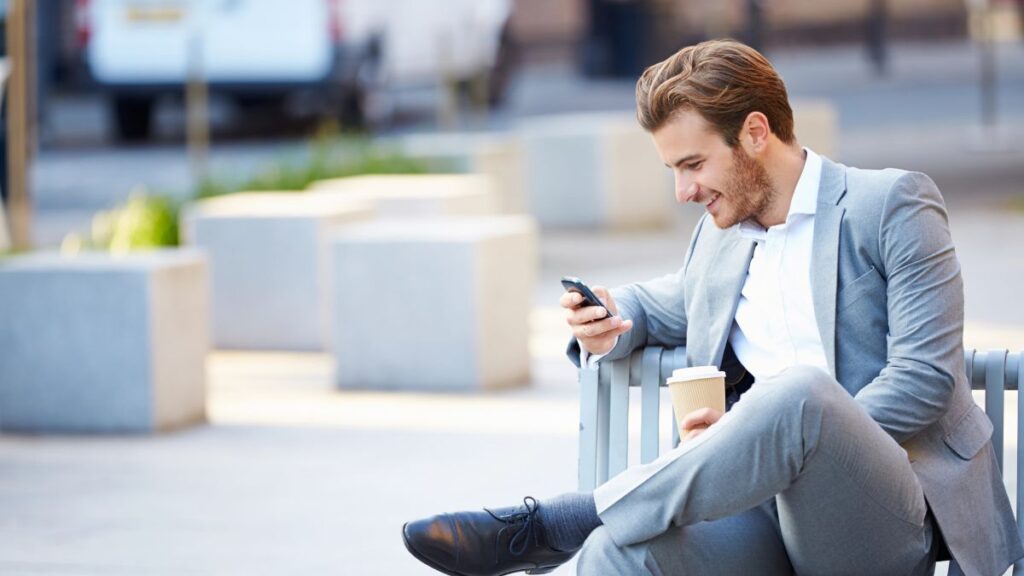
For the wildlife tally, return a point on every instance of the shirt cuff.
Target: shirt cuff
(589, 360)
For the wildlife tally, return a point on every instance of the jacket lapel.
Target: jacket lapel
(732, 261)
(828, 220)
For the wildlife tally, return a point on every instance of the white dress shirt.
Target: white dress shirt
(775, 326)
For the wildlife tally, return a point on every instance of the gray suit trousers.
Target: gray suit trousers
(797, 477)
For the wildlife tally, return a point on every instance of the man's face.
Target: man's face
(731, 185)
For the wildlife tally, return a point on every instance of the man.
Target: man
(832, 298)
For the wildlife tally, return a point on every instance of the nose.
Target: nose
(686, 189)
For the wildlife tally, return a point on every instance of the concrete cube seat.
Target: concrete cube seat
(99, 343)
(415, 195)
(430, 305)
(267, 252)
(594, 170)
(497, 156)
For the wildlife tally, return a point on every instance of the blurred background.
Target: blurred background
(277, 276)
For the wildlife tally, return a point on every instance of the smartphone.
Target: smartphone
(573, 284)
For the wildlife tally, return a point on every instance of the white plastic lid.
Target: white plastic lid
(697, 372)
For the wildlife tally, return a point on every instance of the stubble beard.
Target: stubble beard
(750, 190)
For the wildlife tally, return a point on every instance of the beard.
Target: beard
(748, 193)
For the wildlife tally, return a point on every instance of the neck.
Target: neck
(784, 165)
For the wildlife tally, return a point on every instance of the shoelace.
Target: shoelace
(525, 523)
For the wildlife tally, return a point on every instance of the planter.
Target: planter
(415, 195)
(440, 304)
(99, 343)
(267, 254)
(595, 170)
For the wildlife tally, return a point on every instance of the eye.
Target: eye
(696, 165)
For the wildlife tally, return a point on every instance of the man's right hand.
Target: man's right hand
(596, 333)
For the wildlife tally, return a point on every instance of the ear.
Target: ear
(755, 133)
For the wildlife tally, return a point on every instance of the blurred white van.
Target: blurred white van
(352, 55)
(423, 42)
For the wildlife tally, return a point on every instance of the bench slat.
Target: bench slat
(588, 430)
(618, 416)
(680, 357)
(650, 390)
(995, 384)
(1015, 367)
(604, 382)
(969, 365)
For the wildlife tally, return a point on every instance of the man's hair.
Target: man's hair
(723, 81)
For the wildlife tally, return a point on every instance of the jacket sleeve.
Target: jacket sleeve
(925, 304)
(657, 308)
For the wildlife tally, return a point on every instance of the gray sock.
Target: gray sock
(568, 520)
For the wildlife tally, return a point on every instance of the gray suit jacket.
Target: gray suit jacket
(888, 298)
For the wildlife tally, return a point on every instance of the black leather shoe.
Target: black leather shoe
(488, 543)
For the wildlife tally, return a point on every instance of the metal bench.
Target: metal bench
(604, 410)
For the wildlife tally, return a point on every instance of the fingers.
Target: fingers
(700, 419)
(584, 315)
(570, 300)
(597, 328)
(693, 433)
(603, 342)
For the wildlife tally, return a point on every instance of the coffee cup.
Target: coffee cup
(695, 388)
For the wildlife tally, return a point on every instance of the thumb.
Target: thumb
(606, 298)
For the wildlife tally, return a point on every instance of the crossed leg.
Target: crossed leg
(847, 499)
(746, 543)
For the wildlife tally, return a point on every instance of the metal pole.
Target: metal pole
(877, 36)
(987, 78)
(5, 235)
(19, 121)
(448, 102)
(755, 24)
(196, 94)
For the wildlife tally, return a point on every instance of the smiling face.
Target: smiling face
(730, 184)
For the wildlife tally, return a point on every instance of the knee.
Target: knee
(800, 385)
(601, 555)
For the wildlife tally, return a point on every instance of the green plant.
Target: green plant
(142, 222)
(330, 157)
(10, 252)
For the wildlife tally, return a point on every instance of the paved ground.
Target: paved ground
(293, 477)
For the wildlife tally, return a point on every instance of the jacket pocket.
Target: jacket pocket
(970, 433)
(869, 282)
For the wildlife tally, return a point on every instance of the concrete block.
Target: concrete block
(499, 157)
(267, 254)
(594, 170)
(415, 195)
(429, 305)
(816, 124)
(99, 343)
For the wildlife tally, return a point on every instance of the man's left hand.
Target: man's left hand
(697, 422)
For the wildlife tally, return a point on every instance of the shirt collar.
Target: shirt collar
(805, 196)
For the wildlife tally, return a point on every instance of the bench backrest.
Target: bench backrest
(604, 409)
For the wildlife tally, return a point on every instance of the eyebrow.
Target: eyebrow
(685, 160)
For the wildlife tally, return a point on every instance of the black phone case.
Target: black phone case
(589, 298)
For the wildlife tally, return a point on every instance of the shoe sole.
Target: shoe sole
(435, 566)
